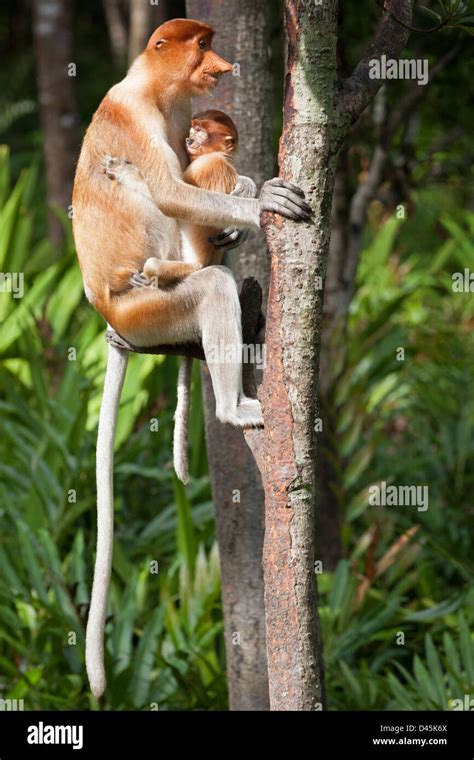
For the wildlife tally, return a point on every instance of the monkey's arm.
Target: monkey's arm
(205, 207)
(161, 171)
(232, 237)
(128, 175)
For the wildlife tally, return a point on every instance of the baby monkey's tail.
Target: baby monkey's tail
(181, 420)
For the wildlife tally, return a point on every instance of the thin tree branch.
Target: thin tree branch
(416, 94)
(356, 92)
(436, 28)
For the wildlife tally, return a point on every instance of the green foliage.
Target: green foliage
(454, 14)
(377, 655)
(404, 419)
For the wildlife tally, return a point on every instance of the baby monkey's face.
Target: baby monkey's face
(208, 135)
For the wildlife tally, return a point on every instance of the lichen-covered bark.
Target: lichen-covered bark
(289, 393)
(242, 38)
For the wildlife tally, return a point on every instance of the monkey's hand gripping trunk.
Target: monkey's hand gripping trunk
(116, 367)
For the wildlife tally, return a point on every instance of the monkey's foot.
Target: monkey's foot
(248, 414)
(249, 411)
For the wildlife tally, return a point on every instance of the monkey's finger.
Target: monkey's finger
(229, 235)
(277, 182)
(297, 200)
(139, 280)
(289, 210)
(241, 238)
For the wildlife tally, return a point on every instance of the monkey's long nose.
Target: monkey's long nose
(221, 65)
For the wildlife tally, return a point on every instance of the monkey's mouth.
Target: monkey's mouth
(211, 79)
(191, 146)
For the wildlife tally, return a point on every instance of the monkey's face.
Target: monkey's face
(198, 141)
(182, 50)
(207, 69)
(211, 132)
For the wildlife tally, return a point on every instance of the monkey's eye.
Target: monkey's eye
(202, 44)
(159, 43)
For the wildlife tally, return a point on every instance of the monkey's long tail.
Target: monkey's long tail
(116, 367)
(181, 420)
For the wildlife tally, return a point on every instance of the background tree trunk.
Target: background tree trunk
(144, 18)
(52, 28)
(117, 30)
(242, 38)
(140, 23)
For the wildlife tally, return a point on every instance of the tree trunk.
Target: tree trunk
(116, 29)
(242, 38)
(329, 519)
(318, 113)
(285, 450)
(52, 28)
(140, 24)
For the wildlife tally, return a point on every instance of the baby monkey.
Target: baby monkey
(211, 146)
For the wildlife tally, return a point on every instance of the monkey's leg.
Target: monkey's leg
(222, 345)
(204, 305)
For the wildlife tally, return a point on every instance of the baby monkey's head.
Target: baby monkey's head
(211, 132)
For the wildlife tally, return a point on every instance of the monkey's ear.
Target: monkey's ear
(159, 43)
